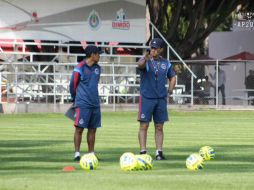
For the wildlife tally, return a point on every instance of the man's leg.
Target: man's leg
(142, 136)
(215, 88)
(159, 135)
(91, 139)
(222, 89)
(77, 142)
(160, 116)
(252, 101)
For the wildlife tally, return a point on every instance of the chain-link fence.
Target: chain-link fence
(218, 82)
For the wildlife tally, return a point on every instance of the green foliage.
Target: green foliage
(35, 147)
(186, 24)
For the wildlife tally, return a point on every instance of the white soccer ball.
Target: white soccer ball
(194, 162)
(128, 161)
(89, 162)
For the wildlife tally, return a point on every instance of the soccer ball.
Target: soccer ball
(145, 162)
(207, 153)
(88, 162)
(149, 161)
(194, 162)
(128, 161)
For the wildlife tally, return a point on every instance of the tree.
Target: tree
(187, 23)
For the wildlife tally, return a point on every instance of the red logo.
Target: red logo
(120, 22)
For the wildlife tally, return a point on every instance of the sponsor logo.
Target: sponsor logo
(94, 20)
(243, 21)
(96, 71)
(143, 116)
(120, 22)
(163, 66)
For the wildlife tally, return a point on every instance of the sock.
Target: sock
(76, 154)
(91, 153)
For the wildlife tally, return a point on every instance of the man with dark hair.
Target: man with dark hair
(155, 70)
(84, 93)
(221, 84)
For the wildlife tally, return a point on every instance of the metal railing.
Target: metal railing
(25, 79)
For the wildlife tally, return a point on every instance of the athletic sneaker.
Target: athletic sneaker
(77, 158)
(160, 156)
(142, 152)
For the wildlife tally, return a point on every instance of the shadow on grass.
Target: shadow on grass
(28, 143)
(176, 158)
(32, 151)
(32, 156)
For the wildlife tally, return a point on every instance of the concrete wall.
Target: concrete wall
(33, 108)
(12, 108)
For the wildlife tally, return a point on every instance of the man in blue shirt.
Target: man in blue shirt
(84, 93)
(155, 70)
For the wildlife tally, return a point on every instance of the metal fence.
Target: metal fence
(219, 82)
(47, 82)
(22, 79)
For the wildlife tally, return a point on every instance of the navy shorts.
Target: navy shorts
(88, 118)
(156, 108)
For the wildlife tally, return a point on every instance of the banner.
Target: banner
(75, 20)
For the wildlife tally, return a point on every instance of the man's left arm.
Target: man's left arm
(172, 84)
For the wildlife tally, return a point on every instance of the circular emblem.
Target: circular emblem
(94, 20)
(143, 116)
(81, 121)
(96, 71)
(163, 66)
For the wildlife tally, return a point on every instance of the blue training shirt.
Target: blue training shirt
(154, 78)
(84, 85)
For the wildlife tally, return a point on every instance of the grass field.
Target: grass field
(35, 147)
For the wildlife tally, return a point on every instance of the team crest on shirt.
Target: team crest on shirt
(96, 71)
(143, 116)
(163, 66)
(81, 121)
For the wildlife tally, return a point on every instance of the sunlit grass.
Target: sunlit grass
(35, 147)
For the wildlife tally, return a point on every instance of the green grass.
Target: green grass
(35, 147)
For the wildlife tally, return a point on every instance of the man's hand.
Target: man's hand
(72, 99)
(142, 61)
(147, 55)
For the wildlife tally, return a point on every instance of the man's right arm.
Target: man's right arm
(74, 84)
(142, 62)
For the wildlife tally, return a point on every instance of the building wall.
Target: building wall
(225, 44)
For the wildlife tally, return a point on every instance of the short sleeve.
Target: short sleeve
(170, 71)
(78, 70)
